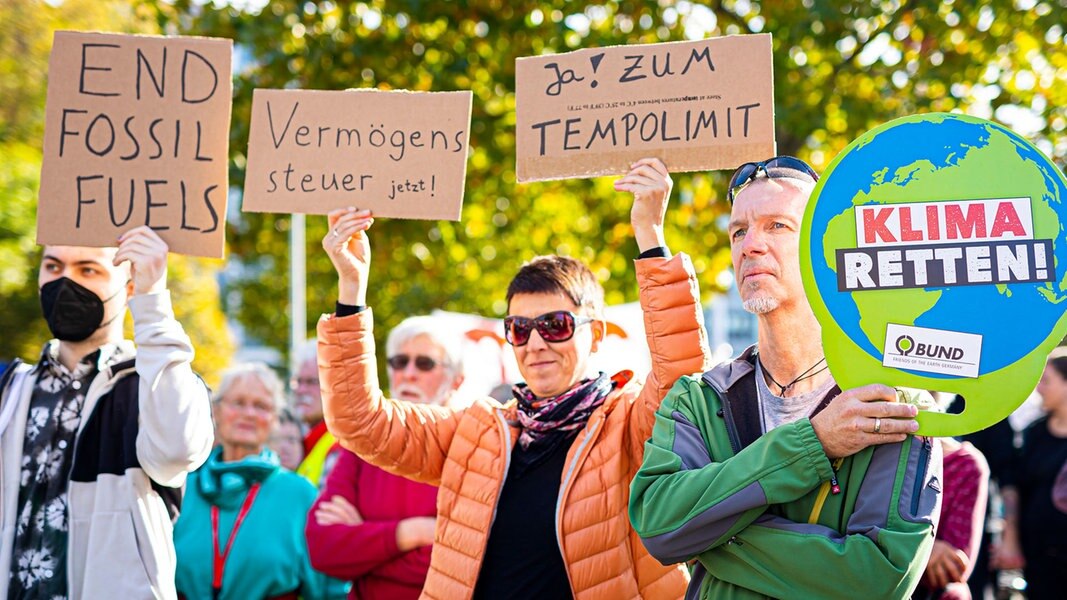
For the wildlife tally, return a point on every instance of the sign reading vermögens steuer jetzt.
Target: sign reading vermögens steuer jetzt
(136, 133)
(707, 104)
(400, 154)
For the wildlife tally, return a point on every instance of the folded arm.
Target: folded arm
(682, 503)
(330, 546)
(886, 542)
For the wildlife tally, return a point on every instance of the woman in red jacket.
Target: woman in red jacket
(368, 526)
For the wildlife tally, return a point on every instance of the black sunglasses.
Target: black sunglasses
(748, 171)
(400, 362)
(555, 326)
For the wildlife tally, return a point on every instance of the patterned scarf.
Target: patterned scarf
(547, 423)
(544, 418)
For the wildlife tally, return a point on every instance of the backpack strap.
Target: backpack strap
(9, 401)
(740, 401)
(743, 405)
(734, 382)
(9, 374)
(833, 393)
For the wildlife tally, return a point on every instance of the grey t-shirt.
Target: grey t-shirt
(776, 410)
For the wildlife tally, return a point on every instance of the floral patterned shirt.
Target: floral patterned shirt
(39, 556)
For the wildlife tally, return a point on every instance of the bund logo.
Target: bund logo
(905, 344)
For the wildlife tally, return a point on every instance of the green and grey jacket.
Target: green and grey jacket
(758, 513)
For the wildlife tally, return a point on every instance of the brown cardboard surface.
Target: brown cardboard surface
(700, 105)
(401, 154)
(136, 133)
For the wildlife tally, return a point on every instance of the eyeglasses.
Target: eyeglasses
(257, 407)
(555, 326)
(423, 363)
(296, 382)
(748, 171)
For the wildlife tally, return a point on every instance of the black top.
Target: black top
(657, 252)
(344, 310)
(1043, 528)
(523, 558)
(996, 443)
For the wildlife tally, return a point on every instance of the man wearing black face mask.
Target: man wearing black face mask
(97, 438)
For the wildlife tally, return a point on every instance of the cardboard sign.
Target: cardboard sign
(933, 254)
(401, 154)
(698, 105)
(136, 133)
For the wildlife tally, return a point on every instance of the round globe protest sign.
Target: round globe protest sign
(934, 256)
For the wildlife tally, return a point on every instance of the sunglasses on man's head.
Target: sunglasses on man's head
(555, 326)
(748, 171)
(400, 362)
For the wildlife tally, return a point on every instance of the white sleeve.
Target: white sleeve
(175, 431)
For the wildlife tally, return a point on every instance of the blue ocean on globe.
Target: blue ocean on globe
(1011, 324)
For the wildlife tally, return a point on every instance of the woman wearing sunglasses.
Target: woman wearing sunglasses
(533, 495)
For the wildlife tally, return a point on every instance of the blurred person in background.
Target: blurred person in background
(287, 440)
(368, 526)
(1059, 490)
(241, 531)
(1035, 532)
(319, 452)
(533, 494)
(963, 509)
(997, 445)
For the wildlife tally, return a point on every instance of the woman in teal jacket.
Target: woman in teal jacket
(241, 530)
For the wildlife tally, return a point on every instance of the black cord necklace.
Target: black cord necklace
(805, 375)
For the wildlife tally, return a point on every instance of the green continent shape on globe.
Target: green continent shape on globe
(921, 181)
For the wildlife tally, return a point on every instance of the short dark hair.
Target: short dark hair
(554, 274)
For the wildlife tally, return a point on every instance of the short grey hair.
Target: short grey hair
(258, 370)
(413, 327)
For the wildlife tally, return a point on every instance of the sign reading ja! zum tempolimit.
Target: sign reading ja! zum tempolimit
(707, 104)
(136, 133)
(929, 254)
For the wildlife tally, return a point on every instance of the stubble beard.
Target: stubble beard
(439, 398)
(760, 305)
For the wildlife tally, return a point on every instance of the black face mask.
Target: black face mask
(73, 311)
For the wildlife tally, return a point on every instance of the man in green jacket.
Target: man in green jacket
(793, 489)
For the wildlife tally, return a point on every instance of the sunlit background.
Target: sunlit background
(840, 69)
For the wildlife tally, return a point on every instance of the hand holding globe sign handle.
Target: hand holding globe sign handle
(862, 417)
(934, 258)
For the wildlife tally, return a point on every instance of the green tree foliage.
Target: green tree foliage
(840, 69)
(26, 28)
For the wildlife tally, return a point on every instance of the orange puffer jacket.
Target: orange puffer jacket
(466, 452)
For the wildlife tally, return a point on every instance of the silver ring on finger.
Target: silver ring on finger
(333, 232)
(877, 425)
